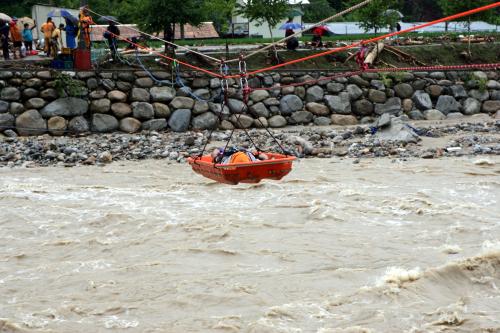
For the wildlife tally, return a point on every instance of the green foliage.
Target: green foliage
(454, 7)
(66, 85)
(386, 80)
(269, 11)
(372, 15)
(317, 10)
(219, 12)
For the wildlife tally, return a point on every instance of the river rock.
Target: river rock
(215, 83)
(334, 87)
(121, 110)
(407, 105)
(377, 96)
(143, 111)
(200, 107)
(317, 109)
(322, 121)
(129, 125)
(392, 106)
(92, 83)
(236, 106)
(377, 84)
(277, 121)
(30, 93)
(495, 95)
(49, 94)
(139, 95)
(287, 91)
(123, 86)
(358, 81)
(31, 122)
(354, 92)
(204, 121)
(97, 94)
(144, 82)
(16, 108)
(117, 96)
(290, 104)
(10, 94)
(479, 95)
(471, 106)
(65, 107)
(226, 125)
(200, 83)
(202, 93)
(416, 115)
(259, 110)
(492, 84)
(437, 75)
(434, 90)
(78, 125)
(363, 107)
(162, 94)
(434, 115)
(447, 104)
(258, 95)
(34, 103)
(104, 123)
(155, 125)
(314, 94)
(339, 104)
(343, 120)
(241, 120)
(6, 121)
(34, 83)
(491, 106)
(403, 90)
(5, 75)
(397, 131)
(4, 106)
(57, 125)
(458, 91)
(126, 76)
(478, 75)
(422, 100)
(179, 120)
(100, 105)
(161, 110)
(85, 75)
(182, 103)
(260, 122)
(302, 117)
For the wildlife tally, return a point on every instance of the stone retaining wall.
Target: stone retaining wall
(128, 101)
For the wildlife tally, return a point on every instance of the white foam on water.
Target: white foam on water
(399, 275)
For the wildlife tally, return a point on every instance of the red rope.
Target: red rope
(381, 70)
(375, 39)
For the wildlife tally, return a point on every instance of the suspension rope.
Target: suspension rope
(154, 78)
(331, 18)
(157, 38)
(375, 39)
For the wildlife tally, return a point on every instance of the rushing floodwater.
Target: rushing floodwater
(335, 247)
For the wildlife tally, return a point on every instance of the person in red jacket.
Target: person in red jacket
(17, 38)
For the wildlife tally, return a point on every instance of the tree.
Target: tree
(317, 10)
(219, 12)
(454, 7)
(162, 15)
(373, 16)
(268, 11)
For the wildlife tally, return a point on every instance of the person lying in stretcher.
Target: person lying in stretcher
(230, 156)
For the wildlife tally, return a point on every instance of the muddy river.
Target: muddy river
(379, 246)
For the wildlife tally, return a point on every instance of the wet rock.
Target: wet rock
(57, 125)
(290, 104)
(10, 94)
(314, 94)
(422, 100)
(241, 120)
(179, 120)
(458, 91)
(397, 131)
(403, 90)
(182, 103)
(34, 103)
(129, 125)
(31, 122)
(363, 107)
(491, 106)
(144, 82)
(155, 125)
(259, 110)
(377, 96)
(302, 117)
(143, 111)
(117, 96)
(139, 95)
(318, 109)
(447, 104)
(277, 121)
(204, 121)
(392, 106)
(343, 120)
(78, 125)
(434, 115)
(339, 104)
(100, 105)
(384, 120)
(354, 92)
(161, 110)
(471, 106)
(65, 107)
(104, 123)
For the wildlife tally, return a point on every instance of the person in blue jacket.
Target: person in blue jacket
(71, 32)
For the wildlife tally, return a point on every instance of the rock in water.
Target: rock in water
(397, 131)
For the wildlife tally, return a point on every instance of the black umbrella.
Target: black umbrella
(106, 19)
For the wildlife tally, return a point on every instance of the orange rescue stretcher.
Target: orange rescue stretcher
(275, 168)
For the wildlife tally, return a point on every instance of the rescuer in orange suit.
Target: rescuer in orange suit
(85, 23)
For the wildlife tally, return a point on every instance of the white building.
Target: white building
(242, 26)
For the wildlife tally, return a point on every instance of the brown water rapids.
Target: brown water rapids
(379, 246)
